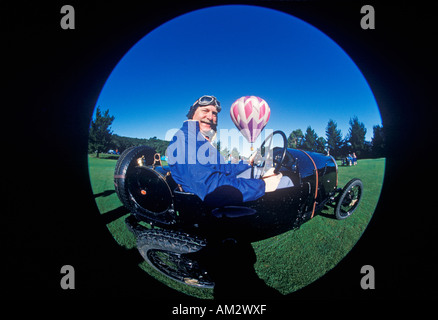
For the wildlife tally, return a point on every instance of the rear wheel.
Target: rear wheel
(167, 252)
(349, 199)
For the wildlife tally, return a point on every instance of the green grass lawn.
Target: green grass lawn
(286, 262)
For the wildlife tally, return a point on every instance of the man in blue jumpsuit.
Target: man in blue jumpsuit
(198, 166)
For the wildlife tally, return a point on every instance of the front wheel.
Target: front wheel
(349, 199)
(167, 252)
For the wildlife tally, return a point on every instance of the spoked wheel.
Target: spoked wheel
(349, 199)
(167, 252)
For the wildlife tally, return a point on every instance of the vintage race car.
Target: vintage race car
(170, 224)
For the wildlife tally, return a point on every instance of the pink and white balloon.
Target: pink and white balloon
(250, 114)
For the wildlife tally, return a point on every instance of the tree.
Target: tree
(356, 137)
(378, 142)
(100, 132)
(218, 145)
(225, 153)
(320, 145)
(310, 139)
(295, 139)
(334, 138)
(235, 154)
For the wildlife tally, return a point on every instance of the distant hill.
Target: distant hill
(122, 143)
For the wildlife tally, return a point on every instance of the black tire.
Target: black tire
(121, 159)
(349, 199)
(126, 163)
(166, 251)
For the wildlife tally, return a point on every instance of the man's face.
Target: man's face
(207, 117)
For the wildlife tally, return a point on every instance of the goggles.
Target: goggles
(207, 101)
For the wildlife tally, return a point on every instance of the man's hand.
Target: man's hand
(255, 156)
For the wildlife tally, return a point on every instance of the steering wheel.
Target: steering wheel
(278, 160)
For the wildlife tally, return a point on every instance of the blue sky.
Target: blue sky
(229, 52)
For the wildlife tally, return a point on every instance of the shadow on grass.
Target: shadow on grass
(115, 214)
(231, 264)
(328, 215)
(105, 193)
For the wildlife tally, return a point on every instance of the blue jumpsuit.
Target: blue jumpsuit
(199, 168)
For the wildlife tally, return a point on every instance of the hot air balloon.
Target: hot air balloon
(250, 114)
